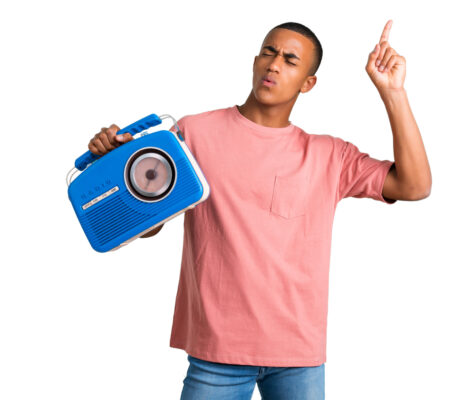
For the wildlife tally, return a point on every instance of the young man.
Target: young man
(252, 297)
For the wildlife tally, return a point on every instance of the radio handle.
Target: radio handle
(151, 120)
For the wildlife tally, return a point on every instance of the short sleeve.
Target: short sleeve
(362, 175)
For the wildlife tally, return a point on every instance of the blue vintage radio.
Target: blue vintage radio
(136, 187)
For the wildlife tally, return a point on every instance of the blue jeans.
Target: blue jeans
(207, 380)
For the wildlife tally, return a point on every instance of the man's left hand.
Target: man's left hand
(385, 67)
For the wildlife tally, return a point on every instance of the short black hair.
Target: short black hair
(302, 29)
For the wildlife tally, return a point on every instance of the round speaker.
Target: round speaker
(150, 174)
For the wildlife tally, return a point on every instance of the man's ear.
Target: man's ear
(309, 83)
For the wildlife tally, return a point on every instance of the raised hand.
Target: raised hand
(385, 67)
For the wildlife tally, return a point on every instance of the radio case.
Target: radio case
(136, 187)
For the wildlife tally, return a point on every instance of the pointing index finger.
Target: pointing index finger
(385, 34)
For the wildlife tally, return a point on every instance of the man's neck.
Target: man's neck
(273, 116)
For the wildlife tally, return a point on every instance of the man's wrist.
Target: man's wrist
(393, 97)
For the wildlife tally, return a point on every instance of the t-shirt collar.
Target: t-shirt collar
(267, 130)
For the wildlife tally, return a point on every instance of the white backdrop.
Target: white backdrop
(76, 324)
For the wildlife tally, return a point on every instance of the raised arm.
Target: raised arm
(411, 179)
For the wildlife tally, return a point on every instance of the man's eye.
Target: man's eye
(267, 54)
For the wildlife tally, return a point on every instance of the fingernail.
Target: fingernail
(378, 62)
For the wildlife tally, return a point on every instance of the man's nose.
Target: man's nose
(275, 63)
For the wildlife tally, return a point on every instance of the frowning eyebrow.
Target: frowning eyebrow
(287, 55)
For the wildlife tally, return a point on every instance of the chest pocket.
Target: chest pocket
(289, 198)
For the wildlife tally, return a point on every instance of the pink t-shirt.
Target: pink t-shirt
(253, 286)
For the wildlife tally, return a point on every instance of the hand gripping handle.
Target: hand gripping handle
(151, 120)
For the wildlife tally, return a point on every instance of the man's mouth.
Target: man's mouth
(268, 81)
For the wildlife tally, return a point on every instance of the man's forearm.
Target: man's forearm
(412, 165)
(153, 232)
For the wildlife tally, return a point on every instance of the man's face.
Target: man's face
(286, 58)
